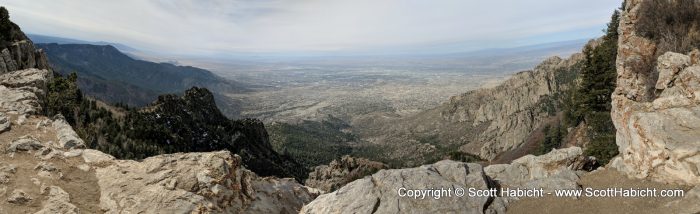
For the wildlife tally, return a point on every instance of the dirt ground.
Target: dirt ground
(80, 185)
(600, 180)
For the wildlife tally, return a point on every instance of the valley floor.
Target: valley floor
(313, 94)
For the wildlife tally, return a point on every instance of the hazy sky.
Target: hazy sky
(292, 26)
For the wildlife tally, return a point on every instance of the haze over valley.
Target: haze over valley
(312, 88)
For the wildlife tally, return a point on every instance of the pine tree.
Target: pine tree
(598, 79)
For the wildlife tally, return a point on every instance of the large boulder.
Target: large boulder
(380, 193)
(194, 182)
(25, 143)
(67, 138)
(23, 91)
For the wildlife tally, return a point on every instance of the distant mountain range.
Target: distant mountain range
(39, 39)
(110, 75)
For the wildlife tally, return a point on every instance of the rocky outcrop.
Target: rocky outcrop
(382, 191)
(17, 52)
(203, 182)
(506, 115)
(342, 171)
(22, 55)
(487, 121)
(513, 110)
(213, 182)
(656, 108)
(59, 176)
(23, 91)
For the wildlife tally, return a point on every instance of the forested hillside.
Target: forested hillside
(191, 123)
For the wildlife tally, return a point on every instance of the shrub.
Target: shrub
(673, 24)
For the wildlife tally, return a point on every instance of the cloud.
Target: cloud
(223, 26)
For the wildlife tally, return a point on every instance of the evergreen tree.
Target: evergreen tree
(5, 24)
(598, 79)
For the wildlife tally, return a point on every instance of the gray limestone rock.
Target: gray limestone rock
(4, 123)
(18, 197)
(67, 138)
(58, 202)
(25, 143)
(381, 192)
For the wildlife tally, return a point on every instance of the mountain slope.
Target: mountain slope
(485, 122)
(193, 123)
(172, 124)
(112, 76)
(43, 39)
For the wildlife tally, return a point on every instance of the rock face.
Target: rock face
(656, 108)
(511, 112)
(379, 193)
(22, 55)
(487, 121)
(340, 172)
(203, 182)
